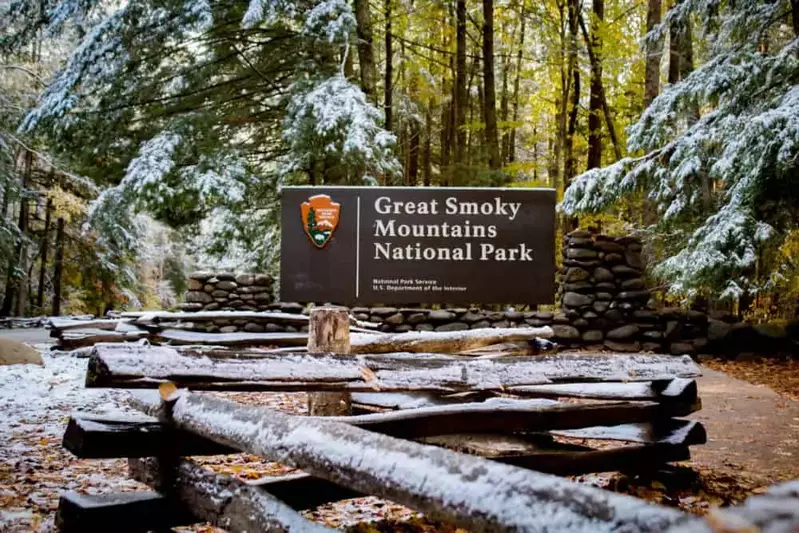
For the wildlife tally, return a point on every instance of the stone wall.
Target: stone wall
(209, 291)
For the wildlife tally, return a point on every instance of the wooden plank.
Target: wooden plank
(203, 316)
(226, 502)
(329, 332)
(146, 366)
(444, 341)
(125, 512)
(683, 390)
(71, 340)
(471, 492)
(380, 401)
(664, 431)
(104, 438)
(241, 338)
(58, 326)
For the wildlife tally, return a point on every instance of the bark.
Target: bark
(366, 56)
(460, 82)
(654, 53)
(388, 88)
(489, 87)
(516, 83)
(595, 98)
(675, 32)
(329, 333)
(43, 255)
(58, 269)
(427, 165)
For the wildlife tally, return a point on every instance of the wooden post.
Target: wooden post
(329, 332)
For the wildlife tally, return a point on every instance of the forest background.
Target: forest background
(144, 138)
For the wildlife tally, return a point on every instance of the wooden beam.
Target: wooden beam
(664, 431)
(682, 390)
(123, 512)
(329, 332)
(58, 326)
(71, 340)
(444, 341)
(146, 366)
(471, 492)
(241, 338)
(226, 502)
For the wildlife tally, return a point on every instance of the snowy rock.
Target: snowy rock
(201, 275)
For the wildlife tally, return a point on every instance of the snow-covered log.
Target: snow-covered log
(59, 325)
(664, 431)
(678, 389)
(444, 341)
(71, 340)
(145, 366)
(469, 491)
(224, 501)
(185, 337)
(205, 316)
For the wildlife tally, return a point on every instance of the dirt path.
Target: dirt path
(751, 429)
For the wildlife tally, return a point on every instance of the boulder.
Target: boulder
(226, 276)
(609, 246)
(650, 347)
(264, 297)
(403, 328)
(384, 311)
(580, 253)
(195, 285)
(633, 259)
(613, 258)
(580, 286)
(560, 318)
(416, 318)
(289, 307)
(424, 327)
(633, 295)
(514, 315)
(441, 315)
(614, 315)
(606, 296)
(495, 315)
(472, 317)
(263, 279)
(201, 275)
(229, 329)
(575, 299)
(600, 306)
(17, 353)
(235, 304)
(592, 336)
(480, 324)
(578, 242)
(603, 274)
(361, 316)
(190, 306)
(220, 294)
(226, 285)
(566, 333)
(246, 297)
(213, 306)
(209, 288)
(252, 289)
(633, 284)
(655, 335)
(395, 320)
(625, 271)
(274, 328)
(717, 330)
(623, 332)
(252, 327)
(582, 264)
(199, 297)
(623, 346)
(537, 322)
(543, 315)
(245, 279)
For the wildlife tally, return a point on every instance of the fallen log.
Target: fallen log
(71, 340)
(204, 316)
(241, 338)
(145, 366)
(678, 389)
(443, 341)
(59, 325)
(224, 501)
(476, 494)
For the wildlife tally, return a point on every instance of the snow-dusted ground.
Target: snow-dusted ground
(35, 405)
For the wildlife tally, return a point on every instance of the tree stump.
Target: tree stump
(329, 333)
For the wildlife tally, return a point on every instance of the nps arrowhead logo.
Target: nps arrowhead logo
(320, 218)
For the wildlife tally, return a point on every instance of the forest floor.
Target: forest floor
(753, 429)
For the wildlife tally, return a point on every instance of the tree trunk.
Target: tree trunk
(595, 99)
(366, 56)
(570, 163)
(426, 159)
(674, 52)
(795, 17)
(654, 52)
(45, 247)
(329, 332)
(516, 83)
(16, 287)
(59, 267)
(388, 89)
(490, 98)
(460, 82)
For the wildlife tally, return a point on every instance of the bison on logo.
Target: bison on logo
(320, 218)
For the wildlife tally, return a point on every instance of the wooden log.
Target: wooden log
(224, 501)
(329, 332)
(105, 438)
(663, 431)
(471, 492)
(58, 326)
(681, 390)
(71, 340)
(205, 316)
(125, 512)
(146, 366)
(444, 341)
(380, 401)
(241, 338)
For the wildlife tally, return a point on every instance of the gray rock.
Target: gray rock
(190, 306)
(226, 285)
(604, 296)
(361, 316)
(717, 330)
(700, 343)
(603, 274)
(195, 285)
(403, 328)
(424, 327)
(245, 279)
(606, 286)
(614, 315)
(495, 315)
(305, 328)
(657, 335)
(581, 264)
(580, 323)
(500, 324)
(633, 295)
(417, 318)
(480, 324)
(625, 272)
(198, 297)
(263, 297)
(212, 306)
(289, 307)
(274, 328)
(623, 346)
(384, 311)
(581, 242)
(235, 304)
(543, 315)
(246, 297)
(228, 329)
(580, 286)
(362, 310)
(613, 258)
(226, 276)
(252, 289)
(633, 284)
(563, 332)
(209, 288)
(592, 335)
(220, 294)
(252, 327)
(575, 299)
(441, 315)
(645, 314)
(681, 348)
(673, 329)
(201, 275)
(222, 301)
(263, 279)
(609, 246)
(514, 315)
(472, 317)
(537, 322)
(623, 332)
(457, 310)
(633, 259)
(651, 347)
(600, 306)
(291, 329)
(560, 318)
(580, 253)
(395, 319)
(590, 314)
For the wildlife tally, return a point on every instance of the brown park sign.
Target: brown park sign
(400, 245)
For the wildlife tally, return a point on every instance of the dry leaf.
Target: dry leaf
(166, 390)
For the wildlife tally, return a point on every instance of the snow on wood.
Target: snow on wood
(146, 366)
(682, 432)
(70, 340)
(444, 341)
(224, 501)
(64, 324)
(201, 316)
(411, 400)
(180, 336)
(677, 389)
(471, 492)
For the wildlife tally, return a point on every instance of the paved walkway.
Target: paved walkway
(750, 428)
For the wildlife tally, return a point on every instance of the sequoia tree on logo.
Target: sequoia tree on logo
(320, 218)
